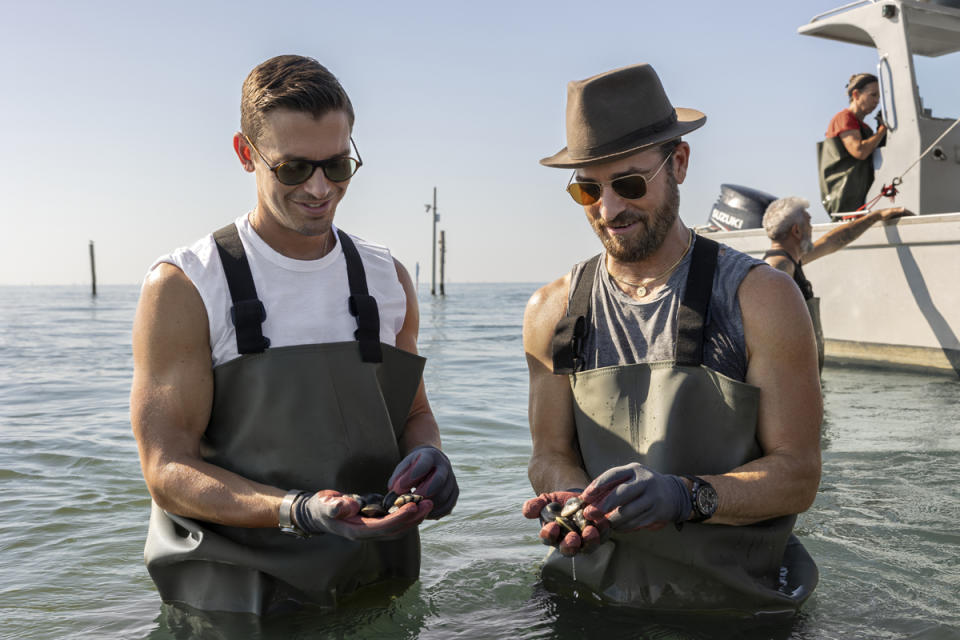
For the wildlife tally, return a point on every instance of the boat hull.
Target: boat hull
(891, 298)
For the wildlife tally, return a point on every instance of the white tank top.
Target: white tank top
(305, 300)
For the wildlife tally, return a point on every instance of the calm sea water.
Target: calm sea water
(74, 508)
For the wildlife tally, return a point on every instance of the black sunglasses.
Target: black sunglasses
(298, 171)
(631, 187)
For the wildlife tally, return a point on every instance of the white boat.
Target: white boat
(892, 297)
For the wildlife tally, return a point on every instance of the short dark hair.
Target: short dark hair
(290, 82)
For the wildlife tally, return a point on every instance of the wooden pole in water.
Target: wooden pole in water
(93, 272)
(443, 253)
(436, 216)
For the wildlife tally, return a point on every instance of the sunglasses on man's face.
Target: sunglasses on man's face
(298, 171)
(631, 187)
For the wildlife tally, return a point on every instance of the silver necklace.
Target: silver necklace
(642, 287)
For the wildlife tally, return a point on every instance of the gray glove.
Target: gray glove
(332, 512)
(429, 470)
(634, 497)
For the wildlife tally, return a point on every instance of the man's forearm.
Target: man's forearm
(555, 472)
(421, 429)
(765, 488)
(843, 235)
(204, 491)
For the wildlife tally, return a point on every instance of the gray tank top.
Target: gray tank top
(627, 331)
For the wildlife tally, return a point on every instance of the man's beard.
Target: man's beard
(652, 230)
(807, 245)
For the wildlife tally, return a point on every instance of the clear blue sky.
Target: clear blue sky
(117, 118)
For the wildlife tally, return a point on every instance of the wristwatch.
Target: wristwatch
(703, 499)
(284, 517)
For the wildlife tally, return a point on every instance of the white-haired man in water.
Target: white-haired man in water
(787, 223)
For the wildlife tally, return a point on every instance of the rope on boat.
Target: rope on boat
(890, 190)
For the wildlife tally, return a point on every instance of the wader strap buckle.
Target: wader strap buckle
(567, 342)
(248, 312)
(570, 334)
(248, 317)
(362, 305)
(364, 308)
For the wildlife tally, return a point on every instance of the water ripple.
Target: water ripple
(74, 507)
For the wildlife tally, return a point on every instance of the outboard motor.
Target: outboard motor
(738, 208)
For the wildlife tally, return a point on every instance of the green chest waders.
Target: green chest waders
(676, 417)
(318, 416)
(844, 180)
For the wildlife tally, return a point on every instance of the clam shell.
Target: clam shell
(571, 506)
(359, 498)
(567, 524)
(551, 511)
(373, 511)
(373, 498)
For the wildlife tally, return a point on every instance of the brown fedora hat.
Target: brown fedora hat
(618, 113)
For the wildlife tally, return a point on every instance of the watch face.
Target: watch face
(706, 500)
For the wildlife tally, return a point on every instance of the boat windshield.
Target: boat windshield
(938, 93)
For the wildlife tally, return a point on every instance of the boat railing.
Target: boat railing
(888, 107)
(840, 9)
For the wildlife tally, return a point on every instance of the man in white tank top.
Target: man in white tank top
(267, 393)
(674, 396)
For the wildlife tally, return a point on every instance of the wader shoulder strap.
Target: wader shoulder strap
(692, 314)
(805, 287)
(363, 306)
(781, 253)
(247, 312)
(571, 331)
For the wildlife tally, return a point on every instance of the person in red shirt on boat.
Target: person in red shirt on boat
(787, 223)
(846, 167)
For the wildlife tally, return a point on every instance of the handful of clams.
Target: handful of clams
(568, 515)
(375, 505)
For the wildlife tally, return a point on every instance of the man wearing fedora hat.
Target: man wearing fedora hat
(673, 382)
